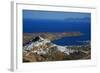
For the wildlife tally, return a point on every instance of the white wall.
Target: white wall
(83, 3)
(5, 34)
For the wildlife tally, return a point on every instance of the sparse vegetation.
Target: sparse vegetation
(51, 52)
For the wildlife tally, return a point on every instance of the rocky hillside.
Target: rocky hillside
(41, 49)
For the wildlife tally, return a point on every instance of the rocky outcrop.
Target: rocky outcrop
(40, 49)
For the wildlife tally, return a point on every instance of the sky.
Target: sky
(53, 15)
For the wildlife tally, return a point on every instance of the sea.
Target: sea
(83, 26)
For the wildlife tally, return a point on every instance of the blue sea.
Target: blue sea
(84, 28)
(55, 22)
(70, 41)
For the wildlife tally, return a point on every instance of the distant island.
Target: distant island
(49, 35)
